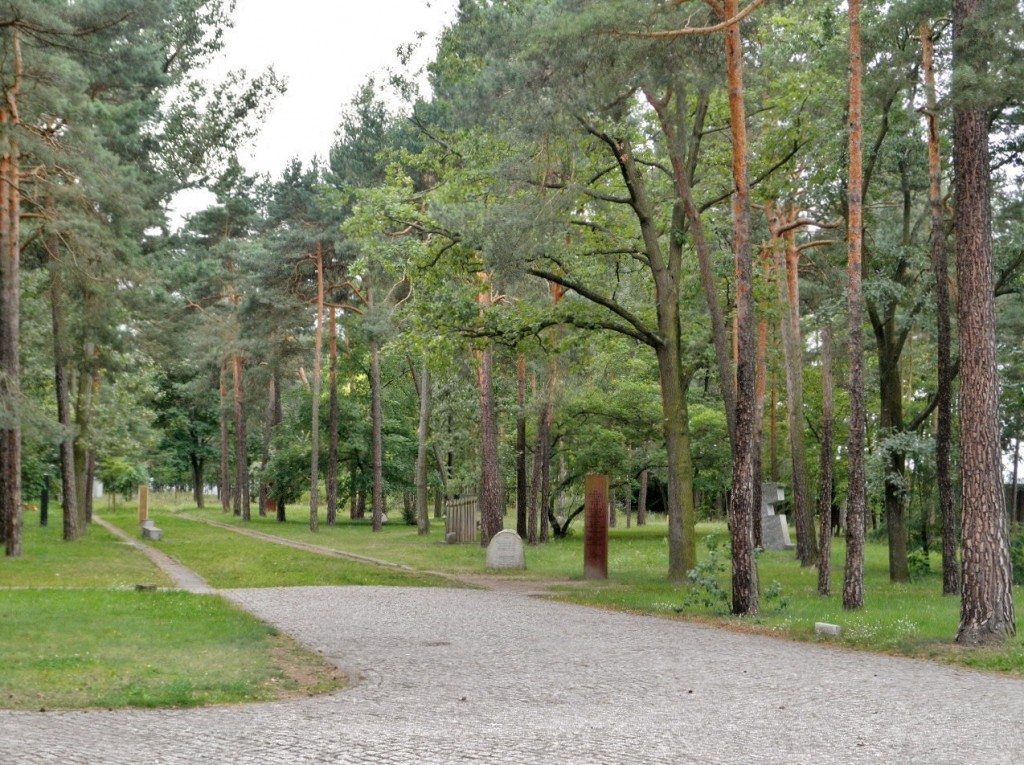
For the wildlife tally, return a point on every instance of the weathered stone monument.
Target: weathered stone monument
(774, 529)
(595, 534)
(506, 551)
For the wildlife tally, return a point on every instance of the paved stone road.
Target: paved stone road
(457, 676)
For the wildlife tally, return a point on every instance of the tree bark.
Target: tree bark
(853, 575)
(986, 607)
(826, 465)
(332, 420)
(83, 416)
(641, 500)
(10, 289)
(377, 424)
(271, 418)
(788, 265)
(196, 464)
(241, 498)
(314, 427)
(522, 487)
(491, 520)
(423, 435)
(225, 443)
(72, 529)
(943, 337)
(745, 599)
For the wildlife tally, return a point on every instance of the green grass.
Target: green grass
(912, 619)
(117, 648)
(229, 560)
(97, 560)
(75, 633)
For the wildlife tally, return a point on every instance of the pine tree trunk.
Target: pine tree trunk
(522, 487)
(241, 505)
(853, 576)
(641, 500)
(314, 427)
(491, 520)
(423, 435)
(826, 465)
(332, 421)
(72, 529)
(10, 287)
(83, 410)
(792, 346)
(198, 481)
(376, 420)
(745, 599)
(943, 337)
(986, 607)
(224, 487)
(269, 422)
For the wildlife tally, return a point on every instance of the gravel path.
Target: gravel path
(456, 676)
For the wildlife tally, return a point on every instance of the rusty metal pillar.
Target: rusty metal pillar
(595, 536)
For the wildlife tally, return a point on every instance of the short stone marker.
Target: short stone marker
(824, 628)
(506, 551)
(150, 531)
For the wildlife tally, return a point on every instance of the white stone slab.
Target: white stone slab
(506, 551)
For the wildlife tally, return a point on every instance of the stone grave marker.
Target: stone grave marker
(506, 551)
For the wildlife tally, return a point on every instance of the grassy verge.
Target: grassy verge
(74, 633)
(909, 619)
(231, 561)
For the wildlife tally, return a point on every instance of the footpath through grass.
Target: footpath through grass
(910, 619)
(74, 631)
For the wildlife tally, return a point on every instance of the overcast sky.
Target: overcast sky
(325, 49)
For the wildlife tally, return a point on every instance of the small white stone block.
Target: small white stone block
(824, 628)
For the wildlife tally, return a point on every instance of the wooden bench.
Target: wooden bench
(150, 531)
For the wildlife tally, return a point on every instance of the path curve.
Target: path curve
(459, 675)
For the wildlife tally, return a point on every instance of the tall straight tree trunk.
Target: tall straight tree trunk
(241, 506)
(491, 520)
(641, 499)
(314, 427)
(10, 288)
(272, 417)
(826, 465)
(377, 426)
(522, 487)
(788, 265)
(853, 575)
(943, 338)
(90, 480)
(541, 456)
(332, 420)
(986, 606)
(225, 442)
(196, 464)
(72, 529)
(422, 437)
(83, 411)
(760, 388)
(745, 599)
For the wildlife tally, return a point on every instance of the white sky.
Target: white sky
(325, 49)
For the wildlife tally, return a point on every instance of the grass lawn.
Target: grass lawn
(906, 619)
(75, 633)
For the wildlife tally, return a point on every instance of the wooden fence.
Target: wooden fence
(460, 527)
